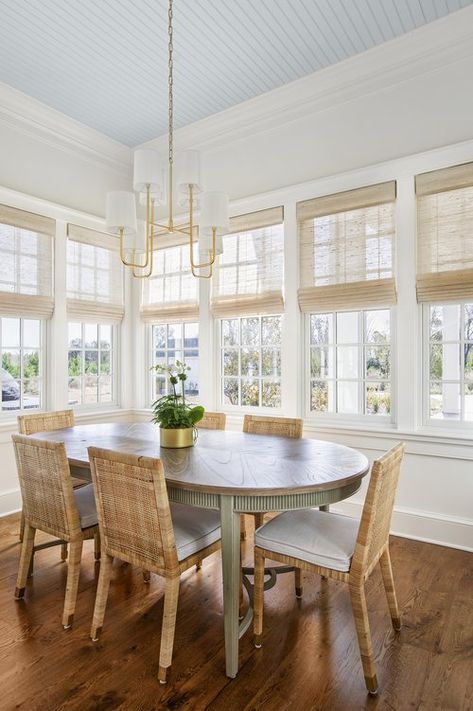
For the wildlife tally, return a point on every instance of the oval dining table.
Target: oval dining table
(233, 472)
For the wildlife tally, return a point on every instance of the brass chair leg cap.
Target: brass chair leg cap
(298, 593)
(258, 642)
(372, 684)
(95, 634)
(19, 593)
(68, 624)
(162, 673)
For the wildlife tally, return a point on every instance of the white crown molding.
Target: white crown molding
(424, 50)
(33, 118)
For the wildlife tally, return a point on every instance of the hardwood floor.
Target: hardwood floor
(309, 658)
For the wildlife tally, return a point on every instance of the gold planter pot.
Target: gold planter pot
(175, 439)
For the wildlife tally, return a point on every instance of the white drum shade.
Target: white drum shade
(135, 244)
(147, 171)
(121, 212)
(188, 171)
(214, 213)
(206, 243)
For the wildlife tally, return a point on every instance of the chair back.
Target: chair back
(373, 533)
(213, 421)
(133, 509)
(45, 421)
(46, 487)
(277, 426)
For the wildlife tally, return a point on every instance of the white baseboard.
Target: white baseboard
(436, 528)
(10, 502)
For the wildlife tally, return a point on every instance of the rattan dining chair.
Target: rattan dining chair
(47, 422)
(51, 505)
(338, 547)
(137, 525)
(212, 421)
(276, 426)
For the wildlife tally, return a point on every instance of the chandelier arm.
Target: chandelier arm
(202, 276)
(212, 252)
(149, 245)
(122, 254)
(191, 243)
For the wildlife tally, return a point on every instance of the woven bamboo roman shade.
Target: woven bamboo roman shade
(171, 292)
(445, 234)
(26, 264)
(346, 249)
(94, 281)
(249, 275)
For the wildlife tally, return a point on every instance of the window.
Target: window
(450, 362)
(171, 292)
(171, 342)
(21, 373)
(91, 363)
(251, 361)
(94, 276)
(249, 275)
(26, 246)
(347, 246)
(350, 362)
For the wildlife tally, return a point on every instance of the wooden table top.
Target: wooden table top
(225, 462)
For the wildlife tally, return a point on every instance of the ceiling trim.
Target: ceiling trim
(424, 50)
(33, 118)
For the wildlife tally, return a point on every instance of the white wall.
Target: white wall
(50, 156)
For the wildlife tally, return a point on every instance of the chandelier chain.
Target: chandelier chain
(170, 82)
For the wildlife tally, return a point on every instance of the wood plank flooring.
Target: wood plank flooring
(309, 658)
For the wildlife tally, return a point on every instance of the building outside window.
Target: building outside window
(171, 342)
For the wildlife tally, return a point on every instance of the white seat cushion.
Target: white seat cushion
(318, 537)
(194, 528)
(85, 501)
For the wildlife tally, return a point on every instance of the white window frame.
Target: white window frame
(114, 403)
(243, 409)
(460, 425)
(43, 369)
(338, 418)
(151, 392)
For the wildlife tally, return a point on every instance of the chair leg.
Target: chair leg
(198, 565)
(146, 576)
(72, 584)
(360, 613)
(97, 546)
(26, 557)
(22, 526)
(242, 527)
(388, 580)
(63, 551)
(241, 596)
(298, 582)
(258, 599)
(101, 596)
(171, 597)
(259, 520)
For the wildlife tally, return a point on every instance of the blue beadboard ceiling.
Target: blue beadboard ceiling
(104, 62)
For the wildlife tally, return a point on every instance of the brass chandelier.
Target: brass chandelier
(138, 243)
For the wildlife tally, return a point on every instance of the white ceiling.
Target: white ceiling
(104, 62)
